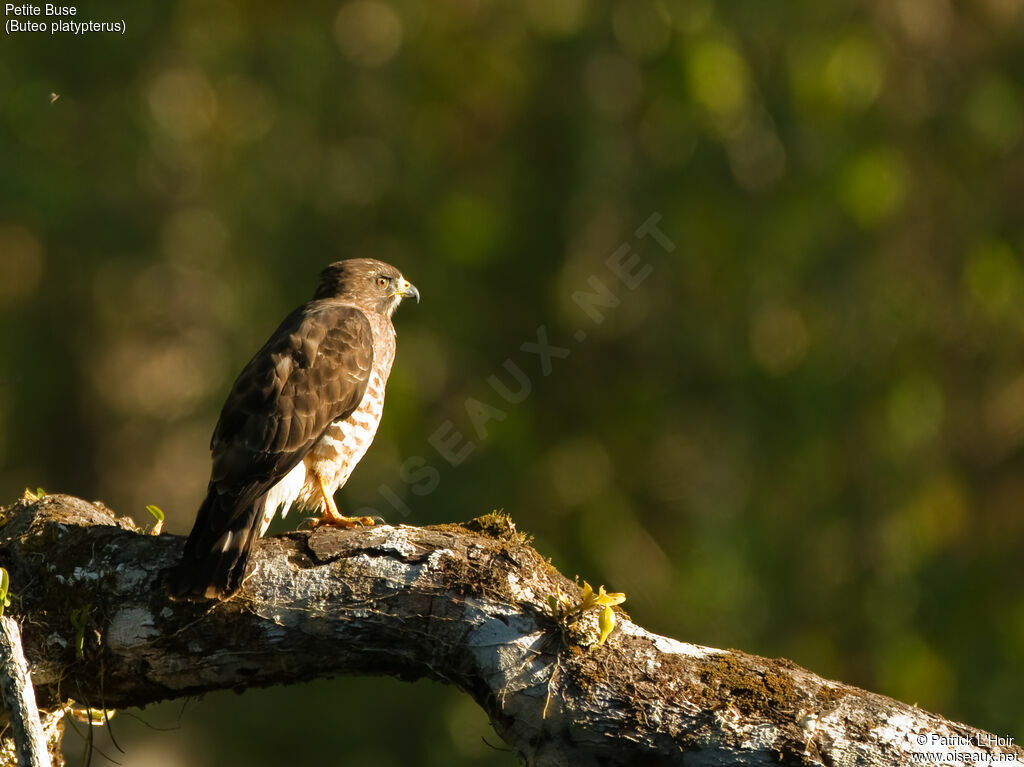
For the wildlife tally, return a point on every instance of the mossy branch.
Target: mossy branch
(464, 604)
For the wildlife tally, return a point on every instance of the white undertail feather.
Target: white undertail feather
(282, 495)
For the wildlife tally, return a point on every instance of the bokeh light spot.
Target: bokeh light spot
(719, 78)
(194, 236)
(642, 27)
(1004, 415)
(182, 103)
(756, 155)
(21, 263)
(933, 518)
(874, 186)
(915, 410)
(994, 278)
(556, 17)
(778, 338)
(854, 73)
(369, 33)
(925, 22)
(994, 112)
(614, 84)
(247, 109)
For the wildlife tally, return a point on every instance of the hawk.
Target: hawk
(298, 419)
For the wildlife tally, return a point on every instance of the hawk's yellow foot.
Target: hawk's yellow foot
(334, 518)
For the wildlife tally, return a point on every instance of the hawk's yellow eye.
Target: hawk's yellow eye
(382, 282)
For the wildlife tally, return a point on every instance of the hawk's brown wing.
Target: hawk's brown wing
(311, 372)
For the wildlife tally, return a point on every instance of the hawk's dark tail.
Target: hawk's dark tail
(218, 548)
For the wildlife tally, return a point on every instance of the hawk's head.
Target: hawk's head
(371, 285)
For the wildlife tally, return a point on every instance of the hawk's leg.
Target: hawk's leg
(331, 515)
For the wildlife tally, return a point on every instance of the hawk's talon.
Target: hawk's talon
(347, 523)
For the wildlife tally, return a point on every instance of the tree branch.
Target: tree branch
(19, 699)
(464, 604)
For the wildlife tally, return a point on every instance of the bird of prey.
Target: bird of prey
(298, 419)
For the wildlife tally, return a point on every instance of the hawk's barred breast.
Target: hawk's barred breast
(345, 441)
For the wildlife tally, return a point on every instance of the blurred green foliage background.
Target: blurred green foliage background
(801, 435)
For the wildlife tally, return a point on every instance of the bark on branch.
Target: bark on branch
(463, 604)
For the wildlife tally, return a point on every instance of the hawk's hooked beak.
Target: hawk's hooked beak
(407, 289)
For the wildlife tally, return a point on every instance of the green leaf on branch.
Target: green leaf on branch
(5, 585)
(158, 514)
